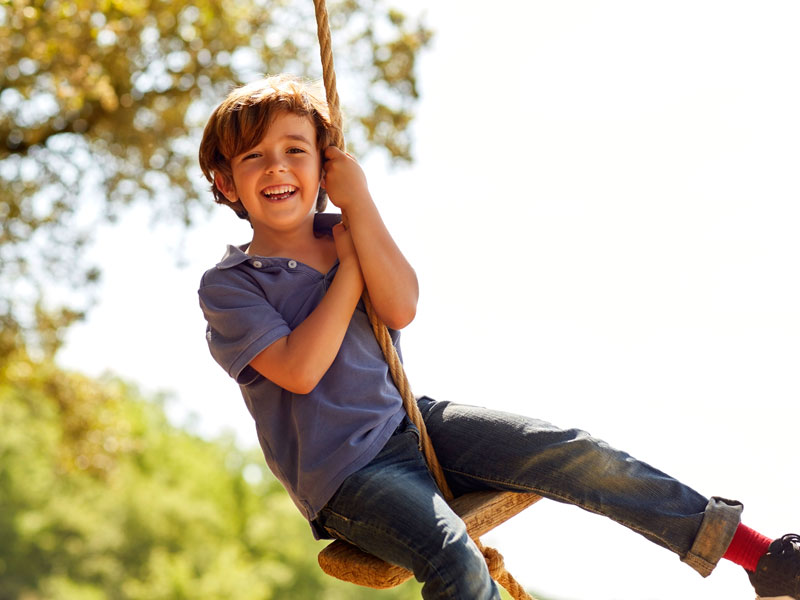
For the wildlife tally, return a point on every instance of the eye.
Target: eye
(295, 150)
(251, 155)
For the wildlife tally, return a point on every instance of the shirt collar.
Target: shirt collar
(234, 255)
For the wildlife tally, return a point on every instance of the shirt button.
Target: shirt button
(257, 264)
(292, 264)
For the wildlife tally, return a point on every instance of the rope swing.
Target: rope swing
(481, 511)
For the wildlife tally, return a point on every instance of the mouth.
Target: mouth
(278, 193)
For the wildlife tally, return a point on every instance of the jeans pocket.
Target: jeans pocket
(328, 521)
(414, 430)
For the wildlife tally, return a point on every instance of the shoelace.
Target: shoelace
(788, 543)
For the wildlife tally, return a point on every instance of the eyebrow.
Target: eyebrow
(298, 137)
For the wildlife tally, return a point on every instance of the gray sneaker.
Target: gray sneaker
(778, 571)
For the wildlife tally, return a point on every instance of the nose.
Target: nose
(275, 164)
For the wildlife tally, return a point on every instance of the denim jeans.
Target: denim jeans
(391, 508)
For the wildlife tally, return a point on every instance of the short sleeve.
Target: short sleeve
(241, 323)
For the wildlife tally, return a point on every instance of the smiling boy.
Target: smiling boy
(277, 180)
(285, 321)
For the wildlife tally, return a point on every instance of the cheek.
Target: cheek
(246, 176)
(314, 173)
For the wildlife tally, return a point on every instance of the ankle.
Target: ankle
(746, 547)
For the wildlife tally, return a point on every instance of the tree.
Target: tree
(101, 497)
(102, 103)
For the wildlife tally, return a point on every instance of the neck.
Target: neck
(279, 242)
(301, 245)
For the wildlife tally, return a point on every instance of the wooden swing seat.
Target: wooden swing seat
(480, 511)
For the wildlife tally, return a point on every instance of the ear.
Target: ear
(226, 186)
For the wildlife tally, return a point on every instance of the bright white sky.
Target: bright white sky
(604, 219)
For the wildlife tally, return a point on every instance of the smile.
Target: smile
(276, 193)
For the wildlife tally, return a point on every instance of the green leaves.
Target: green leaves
(102, 103)
(101, 497)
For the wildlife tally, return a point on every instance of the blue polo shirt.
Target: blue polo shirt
(311, 442)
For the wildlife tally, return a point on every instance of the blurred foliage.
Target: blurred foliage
(101, 498)
(102, 103)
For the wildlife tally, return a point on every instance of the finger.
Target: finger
(332, 152)
(339, 230)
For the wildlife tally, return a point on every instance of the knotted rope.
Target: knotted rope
(494, 560)
(497, 569)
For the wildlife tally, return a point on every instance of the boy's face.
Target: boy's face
(278, 179)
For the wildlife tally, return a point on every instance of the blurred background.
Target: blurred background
(600, 200)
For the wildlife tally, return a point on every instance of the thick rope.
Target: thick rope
(494, 560)
(409, 401)
(497, 569)
(381, 333)
(328, 73)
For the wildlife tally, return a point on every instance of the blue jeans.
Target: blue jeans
(392, 508)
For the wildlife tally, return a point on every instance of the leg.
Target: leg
(485, 449)
(392, 509)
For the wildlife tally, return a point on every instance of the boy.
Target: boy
(285, 321)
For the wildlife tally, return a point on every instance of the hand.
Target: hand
(343, 178)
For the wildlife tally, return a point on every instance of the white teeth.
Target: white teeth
(278, 189)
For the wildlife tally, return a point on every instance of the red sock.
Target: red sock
(747, 547)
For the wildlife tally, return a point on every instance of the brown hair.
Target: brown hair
(242, 119)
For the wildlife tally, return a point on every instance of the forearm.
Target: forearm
(389, 277)
(298, 361)
(391, 281)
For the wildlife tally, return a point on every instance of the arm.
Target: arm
(298, 361)
(390, 279)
